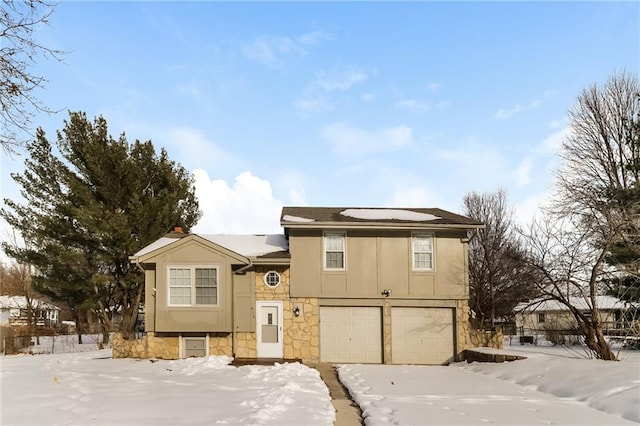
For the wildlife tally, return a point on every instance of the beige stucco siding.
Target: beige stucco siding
(394, 269)
(558, 320)
(193, 318)
(150, 297)
(375, 262)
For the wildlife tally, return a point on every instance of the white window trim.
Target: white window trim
(433, 252)
(182, 346)
(193, 285)
(324, 251)
(264, 279)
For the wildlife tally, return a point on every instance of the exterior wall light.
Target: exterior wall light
(296, 311)
(386, 292)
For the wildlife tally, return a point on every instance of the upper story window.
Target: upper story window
(422, 252)
(334, 251)
(542, 317)
(190, 285)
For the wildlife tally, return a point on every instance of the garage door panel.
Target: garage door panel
(350, 334)
(422, 335)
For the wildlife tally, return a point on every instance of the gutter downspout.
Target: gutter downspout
(233, 309)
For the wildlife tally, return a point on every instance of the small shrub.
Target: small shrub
(554, 336)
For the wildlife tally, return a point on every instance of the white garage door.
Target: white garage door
(421, 335)
(350, 334)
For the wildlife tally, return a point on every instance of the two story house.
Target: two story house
(366, 285)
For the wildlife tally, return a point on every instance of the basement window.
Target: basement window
(194, 347)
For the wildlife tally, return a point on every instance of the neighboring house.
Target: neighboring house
(540, 315)
(340, 285)
(14, 311)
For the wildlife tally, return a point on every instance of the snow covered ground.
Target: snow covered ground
(90, 388)
(64, 343)
(552, 386)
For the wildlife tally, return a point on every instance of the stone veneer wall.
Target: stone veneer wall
(221, 344)
(488, 339)
(165, 347)
(149, 346)
(246, 345)
(301, 334)
(386, 332)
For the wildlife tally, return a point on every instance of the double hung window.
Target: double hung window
(189, 286)
(334, 251)
(422, 252)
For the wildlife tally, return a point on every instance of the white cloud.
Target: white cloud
(315, 97)
(420, 105)
(292, 183)
(413, 104)
(339, 79)
(189, 144)
(314, 103)
(315, 38)
(530, 208)
(552, 143)
(523, 172)
(368, 97)
(503, 114)
(556, 124)
(271, 50)
(411, 197)
(297, 198)
(191, 89)
(348, 140)
(248, 206)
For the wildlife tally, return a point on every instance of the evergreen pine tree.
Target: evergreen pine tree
(91, 201)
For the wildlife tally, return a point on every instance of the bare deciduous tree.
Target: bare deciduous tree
(586, 219)
(498, 279)
(19, 52)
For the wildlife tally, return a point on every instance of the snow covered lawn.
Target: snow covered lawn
(89, 388)
(546, 388)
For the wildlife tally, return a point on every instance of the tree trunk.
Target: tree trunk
(130, 316)
(76, 318)
(105, 335)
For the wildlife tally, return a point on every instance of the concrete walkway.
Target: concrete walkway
(347, 412)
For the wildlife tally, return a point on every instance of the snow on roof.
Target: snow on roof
(289, 218)
(581, 303)
(20, 302)
(250, 245)
(245, 245)
(388, 214)
(164, 241)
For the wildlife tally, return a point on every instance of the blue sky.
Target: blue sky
(338, 104)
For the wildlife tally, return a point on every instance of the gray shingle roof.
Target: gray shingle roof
(306, 216)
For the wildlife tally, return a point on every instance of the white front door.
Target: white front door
(269, 329)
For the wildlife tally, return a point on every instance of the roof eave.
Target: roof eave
(270, 261)
(377, 225)
(190, 237)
